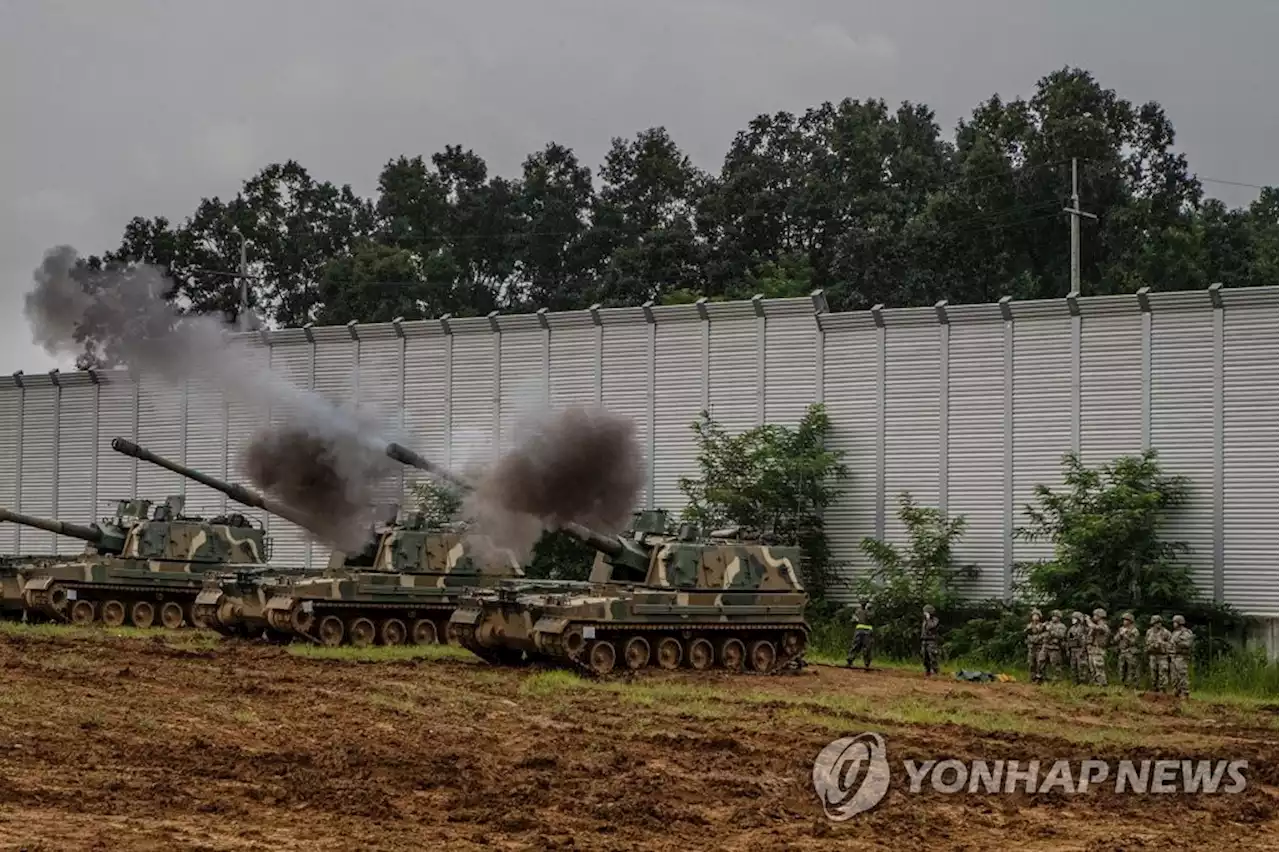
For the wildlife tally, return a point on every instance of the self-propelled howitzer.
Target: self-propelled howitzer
(418, 573)
(138, 568)
(653, 598)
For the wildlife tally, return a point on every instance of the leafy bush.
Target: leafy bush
(439, 502)
(771, 480)
(907, 578)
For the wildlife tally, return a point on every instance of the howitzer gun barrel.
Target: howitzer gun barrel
(93, 535)
(406, 456)
(606, 544)
(236, 492)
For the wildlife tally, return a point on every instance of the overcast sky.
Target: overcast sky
(129, 107)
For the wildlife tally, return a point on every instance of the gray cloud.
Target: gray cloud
(132, 107)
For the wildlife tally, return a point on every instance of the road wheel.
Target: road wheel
(142, 614)
(171, 615)
(423, 632)
(113, 613)
(82, 613)
(670, 653)
(793, 643)
(602, 656)
(763, 655)
(331, 631)
(732, 654)
(637, 652)
(392, 632)
(361, 631)
(701, 654)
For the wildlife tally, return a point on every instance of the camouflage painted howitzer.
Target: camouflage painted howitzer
(653, 598)
(13, 573)
(146, 563)
(232, 602)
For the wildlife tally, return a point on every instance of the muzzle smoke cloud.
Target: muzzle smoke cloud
(322, 460)
(580, 464)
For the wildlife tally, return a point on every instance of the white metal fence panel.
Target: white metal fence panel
(627, 387)
(77, 467)
(1110, 379)
(207, 448)
(976, 445)
(911, 446)
(1250, 521)
(735, 364)
(474, 394)
(39, 462)
(790, 361)
(10, 459)
(1182, 415)
(523, 376)
(679, 387)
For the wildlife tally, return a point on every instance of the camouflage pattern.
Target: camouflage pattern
(137, 568)
(652, 599)
(1076, 647)
(416, 579)
(1034, 633)
(1099, 636)
(1052, 640)
(1158, 643)
(929, 641)
(1181, 641)
(1126, 641)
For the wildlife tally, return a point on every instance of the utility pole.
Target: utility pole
(1076, 213)
(242, 318)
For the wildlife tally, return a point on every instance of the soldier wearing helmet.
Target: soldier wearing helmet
(1099, 636)
(929, 641)
(1034, 632)
(861, 635)
(1127, 651)
(1181, 641)
(1158, 643)
(1075, 647)
(1054, 637)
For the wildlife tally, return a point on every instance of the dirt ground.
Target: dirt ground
(164, 743)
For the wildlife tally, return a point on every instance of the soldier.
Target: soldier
(861, 635)
(1180, 642)
(929, 641)
(1127, 651)
(1158, 643)
(1075, 646)
(1049, 660)
(1099, 634)
(1034, 631)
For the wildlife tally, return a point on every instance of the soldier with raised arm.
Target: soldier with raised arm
(861, 635)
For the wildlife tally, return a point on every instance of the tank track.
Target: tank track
(579, 659)
(306, 625)
(55, 602)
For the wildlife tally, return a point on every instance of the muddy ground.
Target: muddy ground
(164, 743)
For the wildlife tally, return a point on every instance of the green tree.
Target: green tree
(770, 479)
(906, 578)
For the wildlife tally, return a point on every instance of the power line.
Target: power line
(1234, 183)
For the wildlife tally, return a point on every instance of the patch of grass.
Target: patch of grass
(245, 716)
(553, 682)
(375, 653)
(392, 702)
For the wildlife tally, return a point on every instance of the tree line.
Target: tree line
(870, 203)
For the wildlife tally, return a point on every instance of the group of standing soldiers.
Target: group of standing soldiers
(1086, 641)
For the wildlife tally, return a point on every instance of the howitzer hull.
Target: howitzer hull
(366, 608)
(116, 591)
(609, 627)
(235, 603)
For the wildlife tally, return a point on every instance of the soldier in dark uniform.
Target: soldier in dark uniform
(929, 641)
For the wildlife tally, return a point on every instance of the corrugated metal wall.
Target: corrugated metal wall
(968, 407)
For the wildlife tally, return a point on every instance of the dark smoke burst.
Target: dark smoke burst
(577, 465)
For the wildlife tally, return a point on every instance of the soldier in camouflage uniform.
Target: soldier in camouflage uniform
(1180, 643)
(1075, 647)
(1127, 651)
(1099, 635)
(1049, 660)
(861, 635)
(929, 641)
(1034, 632)
(1157, 644)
